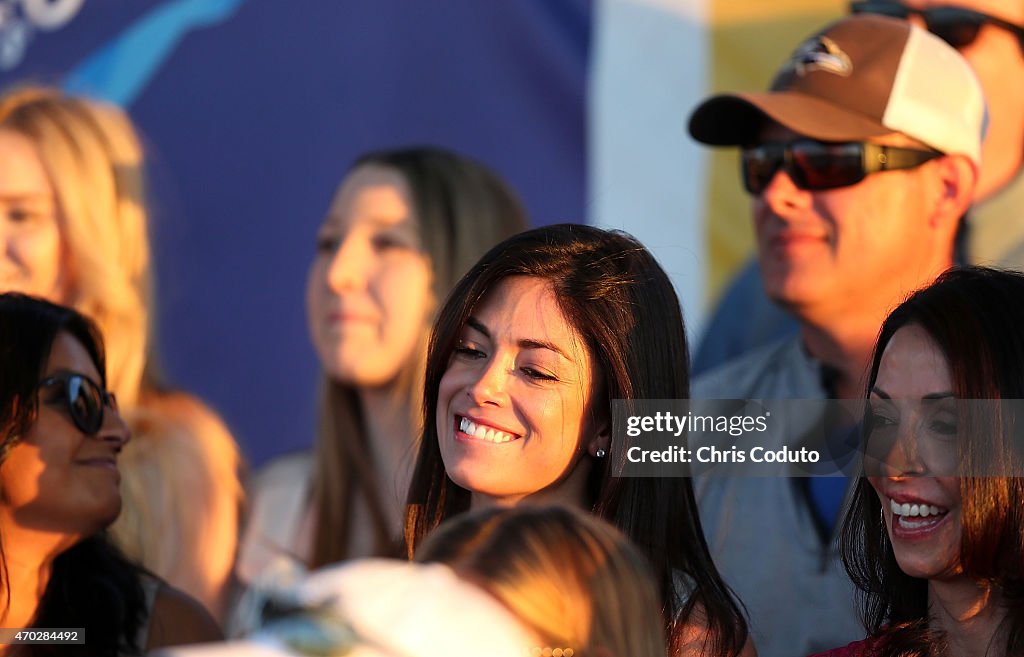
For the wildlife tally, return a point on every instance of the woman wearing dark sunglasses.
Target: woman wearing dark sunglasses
(60, 437)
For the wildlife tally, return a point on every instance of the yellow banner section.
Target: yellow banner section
(748, 11)
(749, 40)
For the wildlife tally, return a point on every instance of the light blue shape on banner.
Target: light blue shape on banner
(120, 69)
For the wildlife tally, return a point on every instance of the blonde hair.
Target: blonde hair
(180, 472)
(94, 162)
(571, 577)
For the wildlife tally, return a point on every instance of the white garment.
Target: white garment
(277, 526)
(387, 608)
(276, 543)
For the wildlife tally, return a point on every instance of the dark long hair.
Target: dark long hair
(463, 209)
(91, 584)
(617, 297)
(974, 315)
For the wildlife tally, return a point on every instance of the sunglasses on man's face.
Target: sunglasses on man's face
(84, 398)
(818, 165)
(957, 26)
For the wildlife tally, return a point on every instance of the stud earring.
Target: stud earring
(600, 453)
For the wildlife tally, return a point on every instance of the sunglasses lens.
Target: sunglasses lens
(957, 27)
(826, 166)
(86, 404)
(759, 166)
(893, 9)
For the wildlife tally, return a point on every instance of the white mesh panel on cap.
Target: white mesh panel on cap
(936, 98)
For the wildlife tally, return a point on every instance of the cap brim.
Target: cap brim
(736, 119)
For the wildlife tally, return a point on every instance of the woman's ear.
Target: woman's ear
(598, 418)
(601, 440)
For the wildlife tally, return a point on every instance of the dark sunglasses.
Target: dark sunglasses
(957, 26)
(819, 165)
(84, 398)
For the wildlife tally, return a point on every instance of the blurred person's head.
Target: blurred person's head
(524, 361)
(573, 579)
(403, 226)
(74, 225)
(380, 608)
(940, 503)
(990, 35)
(861, 160)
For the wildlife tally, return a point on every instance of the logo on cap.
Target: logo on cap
(820, 54)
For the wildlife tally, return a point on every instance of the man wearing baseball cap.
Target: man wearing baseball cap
(990, 36)
(861, 160)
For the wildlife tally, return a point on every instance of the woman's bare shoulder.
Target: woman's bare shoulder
(694, 635)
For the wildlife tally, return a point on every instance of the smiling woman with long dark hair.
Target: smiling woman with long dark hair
(524, 361)
(935, 536)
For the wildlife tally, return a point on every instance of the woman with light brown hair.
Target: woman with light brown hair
(403, 226)
(73, 217)
(571, 578)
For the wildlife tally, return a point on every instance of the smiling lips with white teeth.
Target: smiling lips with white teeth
(481, 432)
(929, 514)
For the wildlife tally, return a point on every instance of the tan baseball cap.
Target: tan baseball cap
(861, 77)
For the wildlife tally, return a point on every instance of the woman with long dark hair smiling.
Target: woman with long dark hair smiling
(525, 359)
(935, 536)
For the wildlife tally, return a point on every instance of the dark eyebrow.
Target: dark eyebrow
(473, 322)
(930, 396)
(539, 344)
(378, 221)
(525, 343)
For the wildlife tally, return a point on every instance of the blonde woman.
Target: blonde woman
(403, 226)
(74, 224)
(574, 580)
